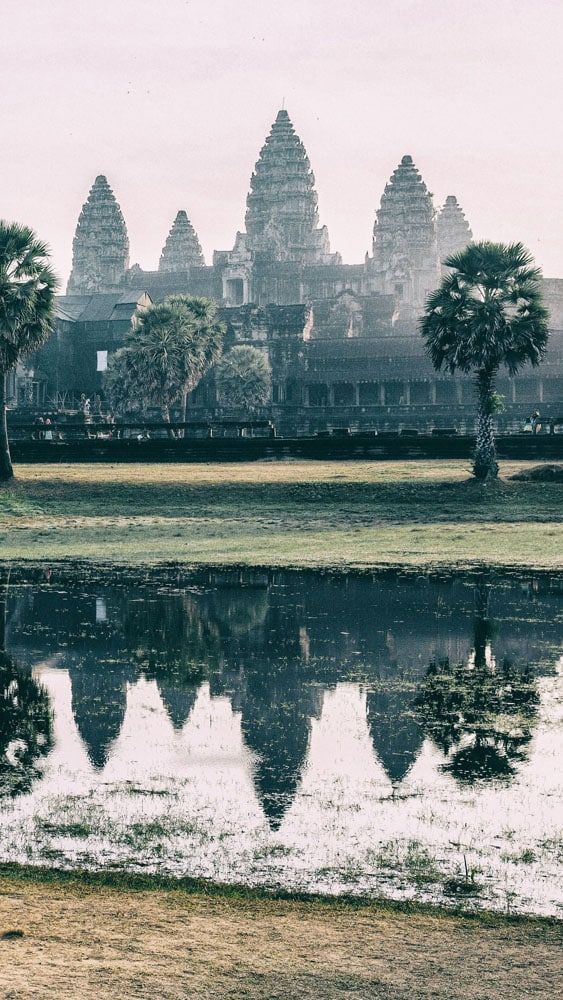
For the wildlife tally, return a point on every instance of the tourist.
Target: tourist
(535, 422)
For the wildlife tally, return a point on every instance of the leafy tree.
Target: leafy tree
(488, 312)
(27, 299)
(244, 378)
(165, 356)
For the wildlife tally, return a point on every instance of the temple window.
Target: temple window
(420, 392)
(101, 361)
(318, 394)
(369, 393)
(344, 394)
(394, 393)
(234, 291)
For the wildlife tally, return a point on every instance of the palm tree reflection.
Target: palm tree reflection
(479, 713)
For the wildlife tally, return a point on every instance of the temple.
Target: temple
(100, 255)
(342, 339)
(405, 249)
(182, 249)
(453, 230)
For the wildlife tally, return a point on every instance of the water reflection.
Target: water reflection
(427, 653)
(26, 725)
(481, 713)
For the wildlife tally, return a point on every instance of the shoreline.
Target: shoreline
(121, 880)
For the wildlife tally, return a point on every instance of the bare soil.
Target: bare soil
(84, 942)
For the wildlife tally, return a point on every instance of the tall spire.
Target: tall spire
(101, 246)
(281, 216)
(405, 251)
(453, 229)
(182, 249)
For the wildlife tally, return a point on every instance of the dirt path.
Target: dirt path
(83, 942)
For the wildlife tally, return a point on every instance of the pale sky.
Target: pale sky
(172, 101)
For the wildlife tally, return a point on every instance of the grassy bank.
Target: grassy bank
(73, 937)
(315, 514)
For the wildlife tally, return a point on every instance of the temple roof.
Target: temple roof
(101, 245)
(453, 229)
(182, 248)
(281, 216)
(406, 206)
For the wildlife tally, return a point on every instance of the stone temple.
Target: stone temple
(342, 339)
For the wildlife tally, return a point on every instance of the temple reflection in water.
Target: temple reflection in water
(455, 661)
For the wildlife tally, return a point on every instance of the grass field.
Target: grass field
(293, 514)
(66, 938)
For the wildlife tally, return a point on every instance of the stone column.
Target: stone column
(357, 394)
(382, 393)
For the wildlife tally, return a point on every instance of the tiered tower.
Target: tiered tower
(100, 251)
(405, 251)
(182, 249)
(453, 230)
(281, 216)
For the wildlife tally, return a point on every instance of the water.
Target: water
(390, 736)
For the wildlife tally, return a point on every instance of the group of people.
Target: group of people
(45, 431)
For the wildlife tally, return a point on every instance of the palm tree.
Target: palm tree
(487, 312)
(166, 354)
(27, 299)
(244, 377)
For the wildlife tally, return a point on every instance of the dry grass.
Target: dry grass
(317, 514)
(85, 942)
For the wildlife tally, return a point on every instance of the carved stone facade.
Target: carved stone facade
(100, 255)
(281, 207)
(182, 249)
(453, 230)
(405, 249)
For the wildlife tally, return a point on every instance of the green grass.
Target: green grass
(291, 514)
(132, 882)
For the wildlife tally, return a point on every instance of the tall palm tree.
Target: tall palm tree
(487, 313)
(27, 299)
(167, 353)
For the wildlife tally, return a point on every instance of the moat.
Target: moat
(386, 735)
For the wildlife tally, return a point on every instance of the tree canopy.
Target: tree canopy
(169, 349)
(244, 377)
(27, 301)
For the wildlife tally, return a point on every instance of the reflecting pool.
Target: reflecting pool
(387, 735)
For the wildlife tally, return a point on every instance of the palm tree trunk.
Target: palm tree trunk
(184, 411)
(6, 470)
(165, 411)
(485, 465)
(4, 585)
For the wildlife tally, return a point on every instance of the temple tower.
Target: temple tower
(405, 251)
(182, 249)
(100, 251)
(453, 230)
(281, 216)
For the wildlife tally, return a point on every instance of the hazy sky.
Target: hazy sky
(172, 101)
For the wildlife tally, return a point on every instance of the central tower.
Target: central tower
(281, 208)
